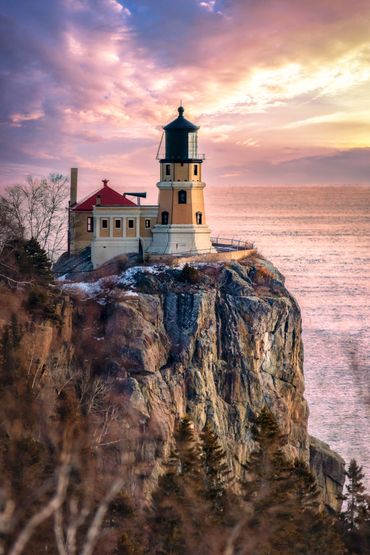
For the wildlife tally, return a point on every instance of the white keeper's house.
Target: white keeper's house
(112, 223)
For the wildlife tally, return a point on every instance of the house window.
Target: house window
(117, 224)
(90, 223)
(104, 223)
(164, 218)
(131, 224)
(147, 224)
(168, 169)
(182, 197)
(198, 217)
(195, 169)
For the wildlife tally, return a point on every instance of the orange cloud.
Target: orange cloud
(267, 81)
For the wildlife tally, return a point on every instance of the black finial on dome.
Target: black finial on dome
(180, 123)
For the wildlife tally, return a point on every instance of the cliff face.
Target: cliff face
(329, 469)
(218, 342)
(218, 345)
(218, 351)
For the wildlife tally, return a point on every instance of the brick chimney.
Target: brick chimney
(73, 185)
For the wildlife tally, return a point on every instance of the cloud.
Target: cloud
(349, 167)
(18, 119)
(92, 81)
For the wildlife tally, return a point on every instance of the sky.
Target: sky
(280, 89)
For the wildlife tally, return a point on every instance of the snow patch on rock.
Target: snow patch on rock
(128, 277)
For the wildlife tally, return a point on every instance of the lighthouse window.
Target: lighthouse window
(168, 169)
(131, 224)
(90, 224)
(192, 145)
(198, 216)
(118, 224)
(164, 218)
(195, 169)
(182, 197)
(147, 224)
(104, 223)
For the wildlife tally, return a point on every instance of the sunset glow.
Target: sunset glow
(279, 88)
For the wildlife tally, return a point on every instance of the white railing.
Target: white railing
(221, 244)
(191, 252)
(231, 244)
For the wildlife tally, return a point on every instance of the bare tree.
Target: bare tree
(43, 513)
(38, 209)
(71, 508)
(9, 228)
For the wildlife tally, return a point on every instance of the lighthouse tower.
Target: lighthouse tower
(181, 227)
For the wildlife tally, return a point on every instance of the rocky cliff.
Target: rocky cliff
(329, 469)
(217, 341)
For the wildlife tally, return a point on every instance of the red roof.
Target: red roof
(108, 197)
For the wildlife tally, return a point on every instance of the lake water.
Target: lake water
(319, 238)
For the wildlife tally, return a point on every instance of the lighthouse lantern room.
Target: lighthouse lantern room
(181, 227)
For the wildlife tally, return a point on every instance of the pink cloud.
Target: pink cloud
(91, 82)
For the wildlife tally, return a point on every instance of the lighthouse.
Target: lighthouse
(181, 225)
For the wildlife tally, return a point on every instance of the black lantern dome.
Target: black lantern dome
(181, 140)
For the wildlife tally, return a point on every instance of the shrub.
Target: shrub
(265, 275)
(40, 303)
(37, 298)
(189, 274)
(122, 505)
(145, 283)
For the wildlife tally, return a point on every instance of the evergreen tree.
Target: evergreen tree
(356, 515)
(189, 450)
(262, 461)
(180, 512)
(217, 472)
(123, 516)
(283, 500)
(39, 260)
(355, 497)
(167, 534)
(302, 486)
(32, 262)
